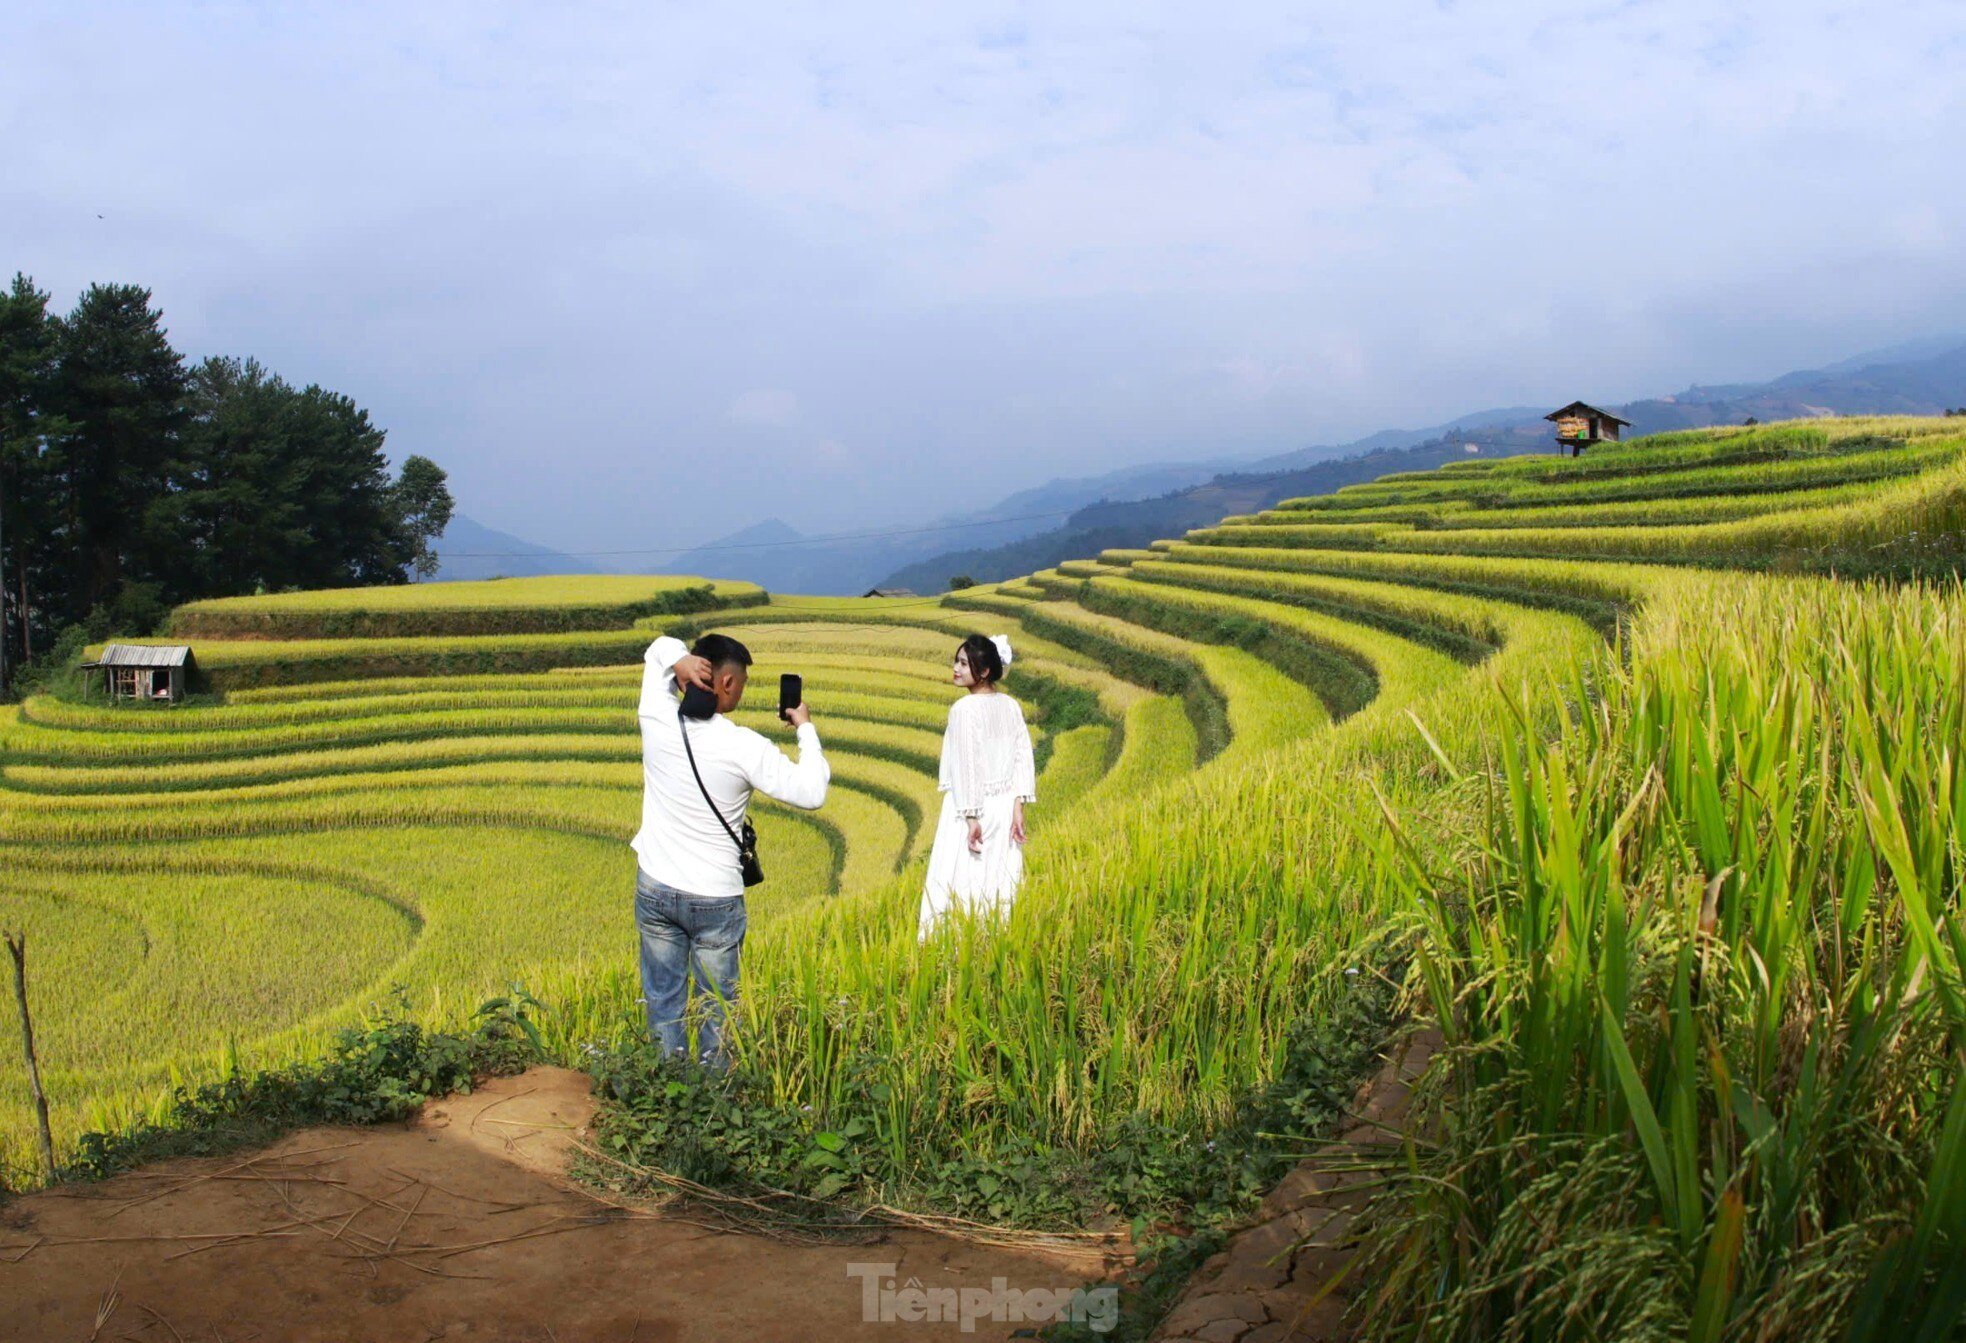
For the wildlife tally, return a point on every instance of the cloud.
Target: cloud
(763, 407)
(563, 249)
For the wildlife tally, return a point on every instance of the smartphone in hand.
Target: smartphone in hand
(791, 693)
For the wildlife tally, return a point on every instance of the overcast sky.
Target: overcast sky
(639, 274)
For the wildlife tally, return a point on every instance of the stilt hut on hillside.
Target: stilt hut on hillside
(1580, 425)
(154, 672)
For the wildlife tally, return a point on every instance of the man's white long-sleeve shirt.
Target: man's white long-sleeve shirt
(680, 843)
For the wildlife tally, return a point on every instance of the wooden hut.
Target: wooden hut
(1580, 426)
(888, 592)
(151, 672)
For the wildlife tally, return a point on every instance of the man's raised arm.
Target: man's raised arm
(659, 675)
(798, 784)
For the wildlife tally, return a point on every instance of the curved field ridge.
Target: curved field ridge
(364, 786)
(492, 606)
(1649, 807)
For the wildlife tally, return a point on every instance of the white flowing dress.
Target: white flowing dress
(987, 768)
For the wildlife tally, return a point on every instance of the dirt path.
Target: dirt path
(460, 1226)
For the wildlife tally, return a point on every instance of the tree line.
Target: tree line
(131, 481)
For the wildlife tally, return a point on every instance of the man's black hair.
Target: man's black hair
(985, 662)
(720, 650)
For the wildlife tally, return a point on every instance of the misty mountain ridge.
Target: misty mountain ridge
(780, 558)
(468, 549)
(1393, 439)
(1924, 377)
(1070, 517)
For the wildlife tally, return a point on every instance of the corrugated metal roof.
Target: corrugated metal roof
(1586, 408)
(145, 655)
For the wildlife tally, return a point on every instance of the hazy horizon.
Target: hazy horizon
(884, 264)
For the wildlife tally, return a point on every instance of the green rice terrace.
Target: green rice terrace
(1637, 775)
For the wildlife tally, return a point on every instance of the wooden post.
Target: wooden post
(17, 948)
(3, 584)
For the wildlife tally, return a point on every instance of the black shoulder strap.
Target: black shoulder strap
(682, 726)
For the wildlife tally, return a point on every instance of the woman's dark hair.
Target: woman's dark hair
(985, 663)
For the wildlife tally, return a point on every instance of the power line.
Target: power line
(887, 604)
(752, 545)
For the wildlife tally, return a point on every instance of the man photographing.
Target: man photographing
(689, 882)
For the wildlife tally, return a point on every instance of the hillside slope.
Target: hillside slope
(1925, 378)
(1606, 769)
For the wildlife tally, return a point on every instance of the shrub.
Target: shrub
(381, 1070)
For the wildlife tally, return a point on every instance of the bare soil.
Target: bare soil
(1287, 1277)
(458, 1225)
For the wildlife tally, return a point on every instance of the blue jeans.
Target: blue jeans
(686, 935)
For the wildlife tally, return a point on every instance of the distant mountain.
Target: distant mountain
(1910, 352)
(1120, 525)
(1391, 439)
(1078, 516)
(1929, 382)
(771, 553)
(469, 549)
(759, 535)
(1923, 377)
(1132, 482)
(782, 560)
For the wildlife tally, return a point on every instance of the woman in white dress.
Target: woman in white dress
(988, 774)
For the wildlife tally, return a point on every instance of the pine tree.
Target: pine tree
(119, 387)
(129, 484)
(29, 337)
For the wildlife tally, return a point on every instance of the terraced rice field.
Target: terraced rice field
(441, 833)
(1640, 772)
(493, 606)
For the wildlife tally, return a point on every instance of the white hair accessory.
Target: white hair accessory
(1002, 641)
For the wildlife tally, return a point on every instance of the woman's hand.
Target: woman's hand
(976, 835)
(1017, 821)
